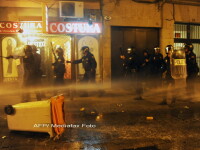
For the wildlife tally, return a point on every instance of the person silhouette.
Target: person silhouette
(9, 52)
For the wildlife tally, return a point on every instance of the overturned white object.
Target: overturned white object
(31, 116)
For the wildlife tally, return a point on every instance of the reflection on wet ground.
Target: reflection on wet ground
(115, 122)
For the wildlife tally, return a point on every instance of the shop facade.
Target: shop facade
(71, 36)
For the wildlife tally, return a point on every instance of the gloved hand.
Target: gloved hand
(68, 61)
(8, 57)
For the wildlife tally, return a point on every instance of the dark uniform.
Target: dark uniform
(29, 74)
(145, 67)
(59, 67)
(168, 81)
(166, 68)
(89, 64)
(156, 67)
(30, 70)
(192, 69)
(131, 72)
(129, 64)
(38, 72)
(145, 70)
(37, 58)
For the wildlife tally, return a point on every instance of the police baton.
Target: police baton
(53, 51)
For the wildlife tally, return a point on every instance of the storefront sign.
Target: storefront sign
(26, 26)
(74, 27)
(37, 42)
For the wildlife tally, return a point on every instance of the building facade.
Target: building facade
(48, 25)
(143, 24)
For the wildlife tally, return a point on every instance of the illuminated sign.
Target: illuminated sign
(54, 27)
(179, 62)
(74, 28)
(27, 26)
(36, 42)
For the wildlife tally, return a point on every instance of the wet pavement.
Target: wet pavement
(113, 121)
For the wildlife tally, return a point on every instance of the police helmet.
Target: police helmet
(28, 48)
(157, 49)
(59, 51)
(85, 49)
(168, 48)
(34, 48)
(130, 50)
(145, 52)
(189, 47)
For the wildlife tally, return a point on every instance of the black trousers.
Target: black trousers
(89, 76)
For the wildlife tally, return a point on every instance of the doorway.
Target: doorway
(124, 37)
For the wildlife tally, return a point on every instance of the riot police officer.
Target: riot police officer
(29, 67)
(129, 62)
(38, 60)
(168, 81)
(131, 71)
(192, 68)
(59, 67)
(144, 69)
(156, 62)
(38, 71)
(145, 65)
(89, 64)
